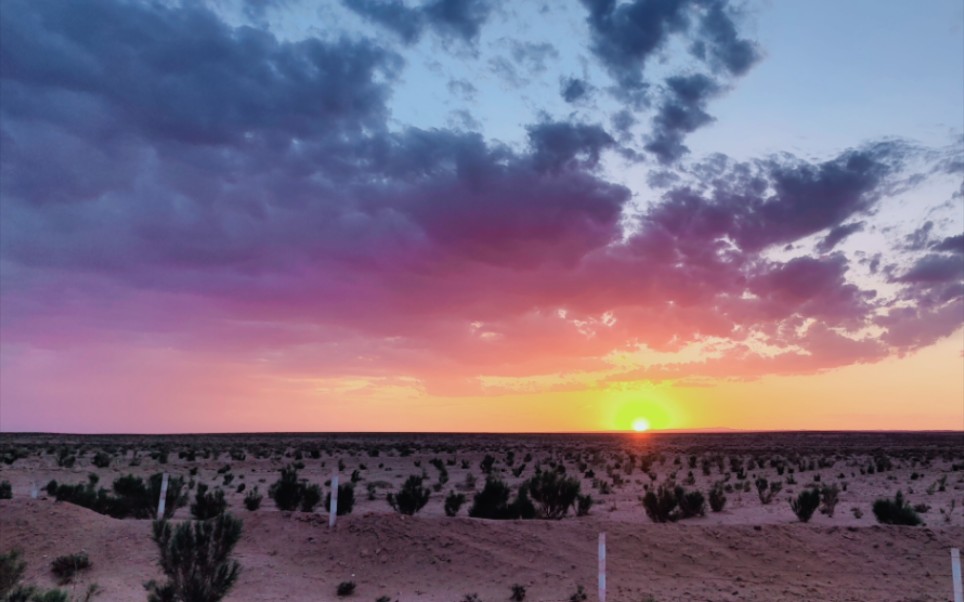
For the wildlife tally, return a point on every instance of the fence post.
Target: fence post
(956, 575)
(162, 501)
(34, 491)
(602, 567)
(333, 507)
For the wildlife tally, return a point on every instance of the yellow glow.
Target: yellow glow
(640, 425)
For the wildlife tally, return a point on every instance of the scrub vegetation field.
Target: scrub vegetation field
(439, 517)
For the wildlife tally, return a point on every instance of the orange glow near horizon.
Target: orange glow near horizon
(922, 391)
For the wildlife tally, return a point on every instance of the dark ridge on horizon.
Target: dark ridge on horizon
(699, 431)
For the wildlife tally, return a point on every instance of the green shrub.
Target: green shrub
(805, 504)
(453, 503)
(518, 593)
(310, 496)
(101, 459)
(660, 505)
(411, 498)
(6, 490)
(289, 492)
(345, 588)
(346, 499)
(493, 502)
(11, 590)
(252, 501)
(691, 504)
(767, 491)
(196, 559)
(717, 498)
(580, 595)
(583, 504)
(554, 493)
(130, 496)
(671, 502)
(208, 505)
(65, 567)
(829, 496)
(12, 568)
(896, 511)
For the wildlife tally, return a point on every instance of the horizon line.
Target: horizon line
(694, 431)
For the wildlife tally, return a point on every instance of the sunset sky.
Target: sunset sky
(444, 215)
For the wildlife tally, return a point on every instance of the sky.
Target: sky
(481, 215)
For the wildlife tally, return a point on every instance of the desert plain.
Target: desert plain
(749, 550)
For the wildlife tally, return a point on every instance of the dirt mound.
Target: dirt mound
(296, 557)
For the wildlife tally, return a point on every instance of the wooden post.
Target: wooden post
(602, 567)
(333, 507)
(162, 502)
(956, 575)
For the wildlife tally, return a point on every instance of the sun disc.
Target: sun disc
(640, 425)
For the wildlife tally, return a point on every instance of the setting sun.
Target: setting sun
(640, 425)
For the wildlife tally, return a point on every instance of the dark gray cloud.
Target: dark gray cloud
(191, 79)
(718, 42)
(681, 111)
(920, 238)
(464, 89)
(951, 244)
(837, 234)
(625, 35)
(935, 269)
(574, 89)
(531, 56)
(451, 19)
(559, 145)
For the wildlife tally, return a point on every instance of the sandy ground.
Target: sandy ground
(750, 551)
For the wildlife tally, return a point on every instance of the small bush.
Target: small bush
(580, 595)
(208, 505)
(346, 499)
(345, 588)
(671, 502)
(101, 460)
(310, 496)
(766, 491)
(289, 492)
(196, 558)
(518, 593)
(453, 503)
(12, 568)
(805, 504)
(65, 567)
(6, 490)
(411, 498)
(252, 501)
(829, 496)
(896, 511)
(583, 504)
(660, 505)
(11, 571)
(717, 498)
(493, 502)
(286, 491)
(692, 504)
(553, 492)
(130, 497)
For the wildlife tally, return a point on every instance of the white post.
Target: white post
(34, 491)
(956, 575)
(162, 502)
(333, 507)
(602, 567)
